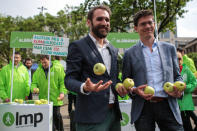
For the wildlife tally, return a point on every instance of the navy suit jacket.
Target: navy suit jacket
(82, 56)
(134, 67)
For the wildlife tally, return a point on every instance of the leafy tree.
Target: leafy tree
(124, 10)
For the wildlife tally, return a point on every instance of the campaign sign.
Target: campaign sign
(26, 117)
(50, 45)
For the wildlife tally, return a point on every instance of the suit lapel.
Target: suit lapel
(162, 53)
(139, 55)
(112, 58)
(94, 48)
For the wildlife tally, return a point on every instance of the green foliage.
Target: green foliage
(193, 56)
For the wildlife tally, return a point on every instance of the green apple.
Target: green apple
(128, 83)
(37, 90)
(37, 102)
(99, 69)
(43, 101)
(58, 99)
(168, 87)
(118, 85)
(179, 85)
(149, 90)
(16, 100)
(20, 101)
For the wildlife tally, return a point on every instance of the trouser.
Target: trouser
(111, 123)
(71, 99)
(57, 119)
(186, 121)
(159, 113)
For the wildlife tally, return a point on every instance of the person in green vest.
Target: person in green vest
(57, 87)
(186, 60)
(186, 103)
(21, 87)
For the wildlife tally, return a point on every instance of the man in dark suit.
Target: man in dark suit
(97, 107)
(151, 62)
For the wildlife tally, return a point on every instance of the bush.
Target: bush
(193, 56)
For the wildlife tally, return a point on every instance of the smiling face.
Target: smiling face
(145, 27)
(17, 59)
(100, 23)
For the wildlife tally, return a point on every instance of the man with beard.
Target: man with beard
(97, 107)
(28, 64)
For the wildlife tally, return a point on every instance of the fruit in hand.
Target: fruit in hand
(37, 102)
(149, 90)
(36, 90)
(99, 69)
(58, 99)
(179, 85)
(168, 87)
(128, 83)
(118, 85)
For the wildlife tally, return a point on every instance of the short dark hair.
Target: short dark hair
(140, 14)
(103, 7)
(179, 49)
(57, 57)
(17, 53)
(28, 59)
(44, 56)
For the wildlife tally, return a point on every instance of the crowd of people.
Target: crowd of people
(149, 62)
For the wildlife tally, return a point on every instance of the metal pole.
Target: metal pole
(155, 17)
(13, 55)
(49, 72)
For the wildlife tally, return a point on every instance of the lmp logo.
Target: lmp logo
(125, 119)
(8, 119)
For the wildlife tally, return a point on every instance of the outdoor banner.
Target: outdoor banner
(123, 40)
(50, 45)
(125, 107)
(26, 117)
(24, 39)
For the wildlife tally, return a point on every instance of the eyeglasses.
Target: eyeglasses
(145, 23)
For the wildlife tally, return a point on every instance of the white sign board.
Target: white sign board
(26, 117)
(50, 45)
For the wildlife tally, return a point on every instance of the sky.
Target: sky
(186, 27)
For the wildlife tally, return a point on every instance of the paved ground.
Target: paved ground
(66, 119)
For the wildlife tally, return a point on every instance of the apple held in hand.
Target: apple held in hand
(99, 69)
(168, 87)
(149, 90)
(118, 85)
(128, 83)
(36, 90)
(179, 85)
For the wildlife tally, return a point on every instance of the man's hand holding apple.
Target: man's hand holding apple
(176, 92)
(122, 91)
(89, 86)
(140, 91)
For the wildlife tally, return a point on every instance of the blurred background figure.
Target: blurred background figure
(186, 103)
(28, 63)
(57, 87)
(21, 87)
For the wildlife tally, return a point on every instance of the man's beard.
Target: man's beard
(95, 30)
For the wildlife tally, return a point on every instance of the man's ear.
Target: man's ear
(135, 28)
(88, 23)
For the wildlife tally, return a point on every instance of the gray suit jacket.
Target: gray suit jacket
(82, 56)
(134, 67)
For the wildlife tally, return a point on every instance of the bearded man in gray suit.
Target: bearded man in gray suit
(151, 62)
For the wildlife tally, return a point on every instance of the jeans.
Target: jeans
(159, 113)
